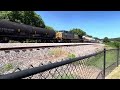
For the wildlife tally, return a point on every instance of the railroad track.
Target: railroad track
(43, 46)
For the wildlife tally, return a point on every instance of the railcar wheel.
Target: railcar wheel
(5, 39)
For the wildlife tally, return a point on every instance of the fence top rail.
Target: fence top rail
(32, 71)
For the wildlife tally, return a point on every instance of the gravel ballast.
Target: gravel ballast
(23, 59)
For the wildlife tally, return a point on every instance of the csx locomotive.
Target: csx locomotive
(21, 32)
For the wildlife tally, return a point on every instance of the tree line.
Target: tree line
(114, 42)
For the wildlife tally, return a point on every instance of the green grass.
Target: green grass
(68, 76)
(111, 58)
(97, 61)
(114, 44)
(6, 67)
(70, 55)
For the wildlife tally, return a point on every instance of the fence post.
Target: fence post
(117, 57)
(104, 63)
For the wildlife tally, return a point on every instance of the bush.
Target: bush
(70, 55)
(8, 66)
(106, 40)
(117, 44)
(114, 44)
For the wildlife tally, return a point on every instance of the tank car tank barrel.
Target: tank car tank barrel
(16, 30)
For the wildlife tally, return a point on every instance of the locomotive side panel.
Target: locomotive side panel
(76, 36)
(66, 37)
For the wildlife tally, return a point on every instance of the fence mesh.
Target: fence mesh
(111, 61)
(88, 68)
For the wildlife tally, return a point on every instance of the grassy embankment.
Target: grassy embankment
(110, 56)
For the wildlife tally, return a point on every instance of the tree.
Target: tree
(49, 28)
(117, 44)
(106, 40)
(31, 18)
(89, 36)
(4, 14)
(15, 16)
(25, 17)
(78, 31)
(96, 38)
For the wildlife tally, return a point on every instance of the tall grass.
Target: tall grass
(114, 44)
(97, 61)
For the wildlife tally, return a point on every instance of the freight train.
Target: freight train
(21, 32)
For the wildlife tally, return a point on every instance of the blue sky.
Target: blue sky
(96, 23)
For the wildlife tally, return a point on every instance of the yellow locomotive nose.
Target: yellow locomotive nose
(58, 35)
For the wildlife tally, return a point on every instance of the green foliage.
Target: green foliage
(4, 14)
(115, 39)
(78, 31)
(70, 55)
(106, 40)
(117, 44)
(8, 66)
(97, 61)
(113, 44)
(15, 16)
(49, 28)
(96, 38)
(68, 76)
(89, 36)
(26, 17)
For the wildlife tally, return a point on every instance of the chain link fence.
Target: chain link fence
(94, 66)
(81, 69)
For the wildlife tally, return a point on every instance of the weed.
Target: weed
(8, 66)
(64, 76)
(57, 52)
(70, 55)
